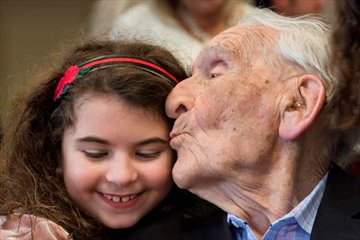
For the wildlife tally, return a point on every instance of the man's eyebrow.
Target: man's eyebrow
(152, 140)
(92, 139)
(220, 49)
(203, 57)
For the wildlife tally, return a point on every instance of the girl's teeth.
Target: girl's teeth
(125, 199)
(116, 199)
(119, 199)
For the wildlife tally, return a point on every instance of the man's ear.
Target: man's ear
(300, 108)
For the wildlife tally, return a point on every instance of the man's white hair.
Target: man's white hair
(304, 41)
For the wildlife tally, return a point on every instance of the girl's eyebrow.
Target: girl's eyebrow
(141, 143)
(153, 140)
(92, 139)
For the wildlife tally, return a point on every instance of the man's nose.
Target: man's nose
(180, 100)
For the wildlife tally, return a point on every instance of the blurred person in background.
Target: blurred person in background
(104, 14)
(182, 26)
(293, 7)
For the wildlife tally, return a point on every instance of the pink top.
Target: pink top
(29, 227)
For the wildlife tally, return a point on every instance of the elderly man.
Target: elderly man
(253, 132)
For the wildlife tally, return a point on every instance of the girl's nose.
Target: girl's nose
(122, 171)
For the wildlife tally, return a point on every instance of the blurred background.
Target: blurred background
(32, 32)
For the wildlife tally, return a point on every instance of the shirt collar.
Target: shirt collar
(304, 213)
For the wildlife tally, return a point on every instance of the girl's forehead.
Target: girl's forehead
(99, 101)
(98, 112)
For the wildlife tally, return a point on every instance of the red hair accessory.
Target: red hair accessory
(68, 78)
(75, 72)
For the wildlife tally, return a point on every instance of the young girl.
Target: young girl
(87, 155)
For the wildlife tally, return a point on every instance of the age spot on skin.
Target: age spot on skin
(267, 81)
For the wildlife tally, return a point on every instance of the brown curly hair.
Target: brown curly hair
(31, 151)
(346, 52)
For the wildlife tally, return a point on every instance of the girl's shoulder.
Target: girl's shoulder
(175, 226)
(24, 227)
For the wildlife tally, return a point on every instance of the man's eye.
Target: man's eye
(148, 155)
(94, 154)
(217, 69)
(214, 75)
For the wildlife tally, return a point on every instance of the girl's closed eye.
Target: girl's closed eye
(148, 154)
(95, 154)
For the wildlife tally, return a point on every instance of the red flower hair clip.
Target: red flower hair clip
(68, 78)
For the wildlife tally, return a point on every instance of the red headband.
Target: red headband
(74, 72)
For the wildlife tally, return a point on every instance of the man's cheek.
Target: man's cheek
(208, 118)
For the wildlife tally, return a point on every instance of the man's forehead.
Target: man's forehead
(230, 41)
(225, 40)
(226, 43)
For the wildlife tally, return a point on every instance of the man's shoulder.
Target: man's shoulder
(338, 216)
(342, 186)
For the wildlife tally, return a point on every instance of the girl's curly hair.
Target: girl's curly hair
(31, 150)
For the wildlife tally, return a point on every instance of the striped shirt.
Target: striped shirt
(297, 224)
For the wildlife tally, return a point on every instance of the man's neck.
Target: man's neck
(261, 197)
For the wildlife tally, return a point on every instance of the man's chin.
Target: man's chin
(182, 176)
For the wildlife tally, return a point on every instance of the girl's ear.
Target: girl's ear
(300, 110)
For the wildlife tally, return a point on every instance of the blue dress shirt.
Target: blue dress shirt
(297, 224)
